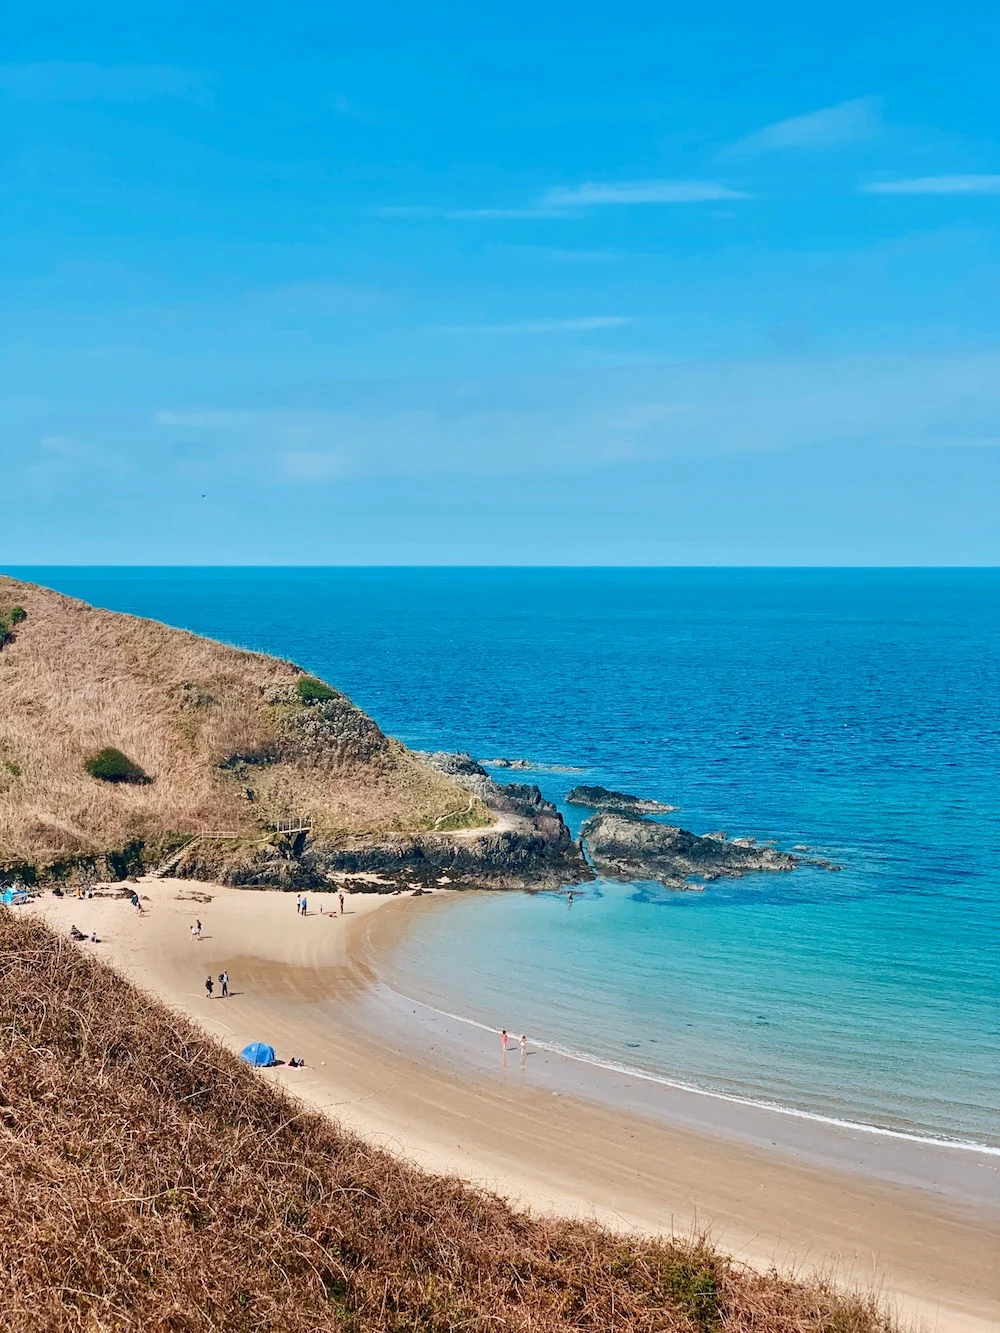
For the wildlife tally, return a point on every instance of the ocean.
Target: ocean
(853, 712)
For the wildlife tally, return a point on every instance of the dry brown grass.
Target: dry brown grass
(152, 1182)
(77, 679)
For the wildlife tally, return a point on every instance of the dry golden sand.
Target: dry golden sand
(297, 982)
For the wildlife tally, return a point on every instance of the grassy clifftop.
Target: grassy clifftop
(230, 742)
(153, 1182)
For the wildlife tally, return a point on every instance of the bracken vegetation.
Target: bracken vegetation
(152, 1182)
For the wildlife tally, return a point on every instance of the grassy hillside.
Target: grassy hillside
(152, 1182)
(230, 741)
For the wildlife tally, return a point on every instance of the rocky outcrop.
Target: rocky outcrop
(532, 764)
(528, 845)
(332, 735)
(627, 847)
(501, 858)
(617, 802)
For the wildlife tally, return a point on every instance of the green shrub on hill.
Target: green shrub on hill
(110, 765)
(313, 691)
(8, 620)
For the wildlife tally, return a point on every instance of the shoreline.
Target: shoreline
(377, 951)
(311, 987)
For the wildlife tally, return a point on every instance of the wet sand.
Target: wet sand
(920, 1224)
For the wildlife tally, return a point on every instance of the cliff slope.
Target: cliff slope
(153, 1182)
(227, 746)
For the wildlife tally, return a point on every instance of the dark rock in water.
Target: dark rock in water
(533, 764)
(617, 802)
(625, 847)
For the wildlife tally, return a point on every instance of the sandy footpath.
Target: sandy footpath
(303, 985)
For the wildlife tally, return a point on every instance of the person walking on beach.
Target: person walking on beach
(305, 906)
(224, 983)
(298, 904)
(209, 986)
(341, 897)
(197, 930)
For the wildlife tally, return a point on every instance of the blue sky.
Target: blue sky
(466, 284)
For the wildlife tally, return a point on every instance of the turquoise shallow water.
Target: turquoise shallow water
(857, 712)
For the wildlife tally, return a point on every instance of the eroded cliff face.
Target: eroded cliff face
(628, 847)
(331, 736)
(527, 845)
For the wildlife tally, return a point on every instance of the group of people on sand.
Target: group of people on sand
(504, 1041)
(302, 905)
(223, 985)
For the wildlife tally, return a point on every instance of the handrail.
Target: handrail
(302, 825)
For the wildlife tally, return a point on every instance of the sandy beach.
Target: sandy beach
(921, 1225)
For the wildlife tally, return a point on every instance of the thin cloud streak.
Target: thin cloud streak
(847, 122)
(85, 81)
(570, 201)
(968, 184)
(200, 419)
(597, 193)
(581, 324)
(466, 214)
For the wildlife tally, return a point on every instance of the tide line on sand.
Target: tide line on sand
(779, 1108)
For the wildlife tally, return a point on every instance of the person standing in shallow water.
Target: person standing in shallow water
(209, 986)
(524, 1049)
(503, 1044)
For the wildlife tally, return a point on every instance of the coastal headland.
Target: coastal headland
(232, 766)
(128, 746)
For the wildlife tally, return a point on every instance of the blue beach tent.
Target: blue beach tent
(14, 897)
(258, 1054)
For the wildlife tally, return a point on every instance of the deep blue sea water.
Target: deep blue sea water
(854, 711)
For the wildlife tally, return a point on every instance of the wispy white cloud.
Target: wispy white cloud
(847, 122)
(565, 201)
(579, 324)
(201, 419)
(466, 214)
(64, 456)
(561, 254)
(471, 214)
(597, 193)
(969, 184)
(83, 81)
(312, 465)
